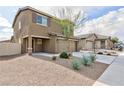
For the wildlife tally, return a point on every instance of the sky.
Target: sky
(105, 20)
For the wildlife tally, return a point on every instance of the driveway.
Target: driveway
(100, 58)
(114, 74)
(28, 70)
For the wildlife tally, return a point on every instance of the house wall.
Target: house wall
(24, 45)
(19, 34)
(40, 30)
(24, 19)
(50, 44)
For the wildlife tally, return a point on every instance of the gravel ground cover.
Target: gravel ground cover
(39, 71)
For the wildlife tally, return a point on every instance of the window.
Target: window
(19, 25)
(42, 20)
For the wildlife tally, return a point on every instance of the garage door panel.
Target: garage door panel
(64, 45)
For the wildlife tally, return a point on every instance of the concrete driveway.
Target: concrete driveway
(100, 58)
(113, 76)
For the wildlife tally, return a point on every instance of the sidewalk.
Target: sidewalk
(114, 74)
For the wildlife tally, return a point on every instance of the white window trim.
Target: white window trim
(42, 24)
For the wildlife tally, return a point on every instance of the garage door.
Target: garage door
(89, 45)
(64, 45)
(72, 46)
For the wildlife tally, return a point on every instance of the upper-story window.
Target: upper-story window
(42, 20)
(19, 25)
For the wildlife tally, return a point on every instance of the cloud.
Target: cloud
(4, 22)
(110, 24)
(5, 29)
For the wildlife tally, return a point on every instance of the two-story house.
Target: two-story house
(37, 31)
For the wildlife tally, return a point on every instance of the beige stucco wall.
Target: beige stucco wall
(40, 30)
(49, 45)
(9, 49)
(23, 18)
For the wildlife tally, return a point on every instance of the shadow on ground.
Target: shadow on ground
(5, 58)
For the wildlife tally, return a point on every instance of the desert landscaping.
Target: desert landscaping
(39, 70)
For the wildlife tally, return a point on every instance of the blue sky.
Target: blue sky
(7, 14)
(100, 11)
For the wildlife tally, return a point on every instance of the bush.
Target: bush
(64, 55)
(54, 58)
(76, 64)
(86, 60)
(93, 57)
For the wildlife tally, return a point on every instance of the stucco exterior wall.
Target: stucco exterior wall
(49, 45)
(7, 49)
(23, 18)
(40, 30)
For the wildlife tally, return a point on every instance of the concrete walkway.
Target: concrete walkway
(45, 54)
(114, 74)
(100, 58)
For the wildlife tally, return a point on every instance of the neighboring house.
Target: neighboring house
(5, 41)
(37, 31)
(91, 41)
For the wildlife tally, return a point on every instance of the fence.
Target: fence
(7, 49)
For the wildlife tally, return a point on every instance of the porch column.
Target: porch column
(30, 45)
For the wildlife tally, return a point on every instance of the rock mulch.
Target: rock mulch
(38, 71)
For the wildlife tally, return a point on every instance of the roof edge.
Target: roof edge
(29, 8)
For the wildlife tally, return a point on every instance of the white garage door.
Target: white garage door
(89, 45)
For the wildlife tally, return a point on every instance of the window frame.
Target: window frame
(42, 18)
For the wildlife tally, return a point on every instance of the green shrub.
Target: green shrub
(86, 60)
(64, 55)
(93, 57)
(76, 64)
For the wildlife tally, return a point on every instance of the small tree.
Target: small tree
(69, 21)
(115, 40)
